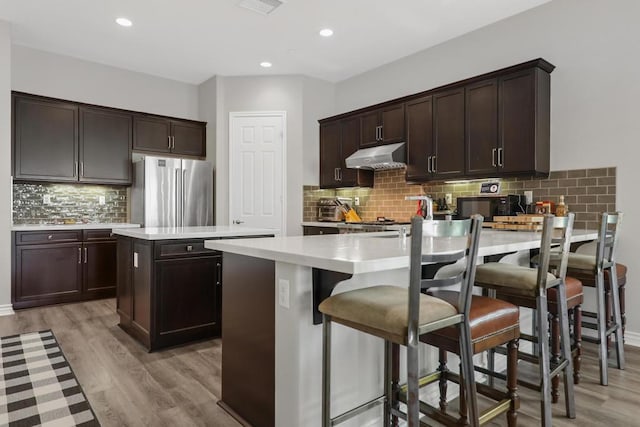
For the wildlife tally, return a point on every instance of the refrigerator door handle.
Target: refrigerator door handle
(183, 195)
(176, 221)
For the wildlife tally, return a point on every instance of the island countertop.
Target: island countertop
(370, 252)
(175, 233)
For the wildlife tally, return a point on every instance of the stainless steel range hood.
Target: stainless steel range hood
(391, 156)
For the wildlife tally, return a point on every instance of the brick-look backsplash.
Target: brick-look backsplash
(68, 201)
(587, 192)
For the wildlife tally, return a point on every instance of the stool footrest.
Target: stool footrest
(358, 410)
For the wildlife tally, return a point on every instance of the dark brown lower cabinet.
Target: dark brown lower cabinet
(52, 267)
(169, 292)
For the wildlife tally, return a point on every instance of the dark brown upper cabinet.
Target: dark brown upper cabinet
(481, 128)
(420, 149)
(448, 135)
(61, 141)
(157, 134)
(45, 139)
(382, 126)
(105, 146)
(338, 140)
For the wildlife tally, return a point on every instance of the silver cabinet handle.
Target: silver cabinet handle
(433, 164)
(493, 157)
(339, 170)
(189, 248)
(75, 169)
(79, 255)
(381, 133)
(237, 221)
(500, 157)
(50, 236)
(219, 268)
(81, 168)
(173, 141)
(429, 164)
(85, 255)
(169, 139)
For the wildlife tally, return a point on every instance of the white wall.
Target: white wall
(58, 76)
(278, 93)
(5, 167)
(595, 91)
(318, 102)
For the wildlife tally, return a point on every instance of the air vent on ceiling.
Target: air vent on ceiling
(263, 7)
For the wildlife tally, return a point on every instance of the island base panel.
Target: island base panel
(248, 336)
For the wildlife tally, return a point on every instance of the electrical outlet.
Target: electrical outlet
(283, 293)
(448, 199)
(528, 197)
(46, 199)
(356, 201)
(101, 200)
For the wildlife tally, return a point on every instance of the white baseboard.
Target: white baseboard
(632, 338)
(6, 310)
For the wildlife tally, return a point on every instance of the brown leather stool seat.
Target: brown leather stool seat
(492, 323)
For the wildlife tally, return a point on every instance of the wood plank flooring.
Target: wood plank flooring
(180, 386)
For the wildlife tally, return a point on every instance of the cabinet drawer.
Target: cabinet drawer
(42, 237)
(91, 235)
(183, 248)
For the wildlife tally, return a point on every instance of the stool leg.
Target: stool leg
(621, 291)
(443, 379)
(413, 398)
(463, 409)
(555, 352)
(512, 383)
(468, 373)
(395, 379)
(388, 368)
(542, 321)
(617, 317)
(491, 365)
(608, 316)
(569, 395)
(326, 371)
(602, 327)
(577, 338)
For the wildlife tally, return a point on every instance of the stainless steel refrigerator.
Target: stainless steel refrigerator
(171, 192)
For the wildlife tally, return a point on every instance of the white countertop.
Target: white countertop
(214, 232)
(90, 226)
(371, 252)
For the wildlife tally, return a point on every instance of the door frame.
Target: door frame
(248, 114)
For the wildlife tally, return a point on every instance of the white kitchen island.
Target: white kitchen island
(271, 367)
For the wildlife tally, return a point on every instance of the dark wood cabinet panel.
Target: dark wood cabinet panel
(45, 136)
(308, 230)
(448, 122)
(142, 283)
(330, 154)
(41, 237)
(524, 113)
(100, 268)
(382, 126)
(482, 128)
(419, 129)
(187, 301)
(124, 261)
(105, 146)
(350, 132)
(151, 134)
(188, 138)
(47, 274)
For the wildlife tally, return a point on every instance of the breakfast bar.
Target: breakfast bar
(271, 364)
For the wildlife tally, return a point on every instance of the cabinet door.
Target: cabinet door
(419, 138)
(369, 134)
(188, 138)
(124, 267)
(482, 128)
(392, 124)
(151, 134)
(47, 274)
(45, 139)
(105, 146)
(517, 122)
(100, 268)
(187, 298)
(448, 121)
(350, 129)
(330, 156)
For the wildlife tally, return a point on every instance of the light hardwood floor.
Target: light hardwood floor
(180, 386)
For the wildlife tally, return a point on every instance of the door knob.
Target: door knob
(237, 221)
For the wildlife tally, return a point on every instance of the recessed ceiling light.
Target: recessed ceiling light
(326, 32)
(265, 64)
(124, 22)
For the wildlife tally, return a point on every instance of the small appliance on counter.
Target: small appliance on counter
(330, 210)
(490, 206)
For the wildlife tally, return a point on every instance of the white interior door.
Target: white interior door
(257, 175)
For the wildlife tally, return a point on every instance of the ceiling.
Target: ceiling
(192, 40)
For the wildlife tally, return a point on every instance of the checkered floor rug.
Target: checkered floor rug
(37, 386)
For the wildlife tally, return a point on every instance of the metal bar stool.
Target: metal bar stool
(517, 282)
(593, 270)
(400, 316)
